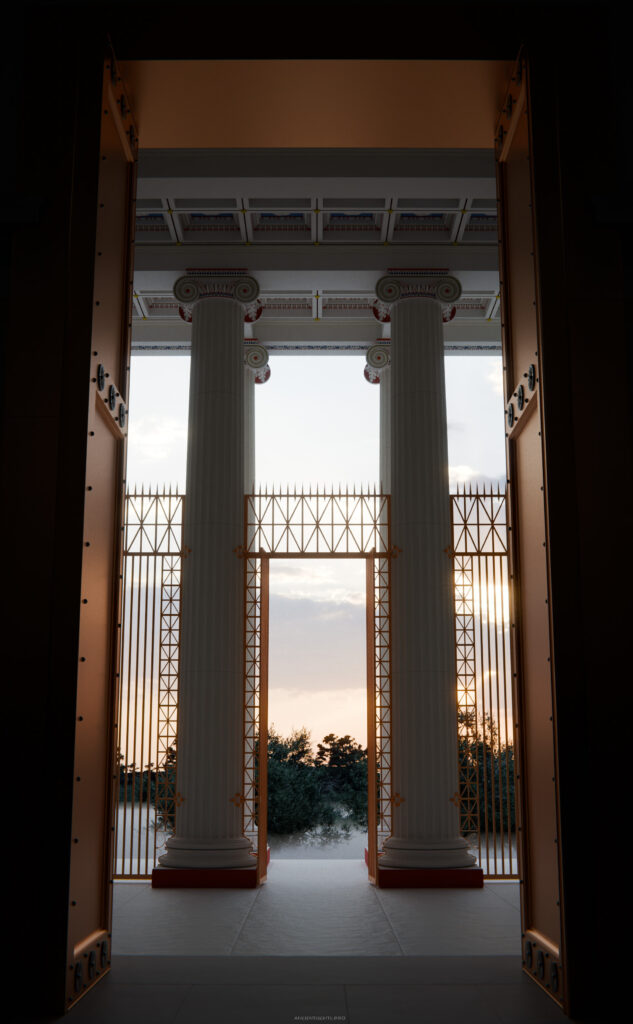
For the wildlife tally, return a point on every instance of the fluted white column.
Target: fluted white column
(385, 429)
(256, 371)
(424, 720)
(209, 773)
(378, 371)
(249, 428)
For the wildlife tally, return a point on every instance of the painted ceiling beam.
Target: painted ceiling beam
(307, 256)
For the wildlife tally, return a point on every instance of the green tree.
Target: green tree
(307, 792)
(136, 785)
(481, 752)
(344, 765)
(166, 792)
(304, 792)
(296, 801)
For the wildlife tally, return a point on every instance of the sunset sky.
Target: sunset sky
(317, 422)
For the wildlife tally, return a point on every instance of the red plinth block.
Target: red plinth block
(430, 878)
(204, 878)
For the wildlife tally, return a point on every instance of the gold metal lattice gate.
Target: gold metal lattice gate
(300, 525)
(292, 524)
(484, 691)
(148, 691)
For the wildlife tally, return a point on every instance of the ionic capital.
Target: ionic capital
(256, 360)
(377, 359)
(208, 284)
(443, 288)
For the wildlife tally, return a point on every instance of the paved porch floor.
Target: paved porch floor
(316, 943)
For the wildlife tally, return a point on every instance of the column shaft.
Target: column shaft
(424, 725)
(209, 774)
(385, 429)
(249, 429)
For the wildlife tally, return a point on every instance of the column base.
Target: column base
(204, 878)
(420, 853)
(429, 878)
(207, 854)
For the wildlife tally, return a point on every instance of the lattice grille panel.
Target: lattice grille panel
(148, 671)
(252, 679)
(382, 634)
(484, 679)
(466, 692)
(294, 523)
(169, 668)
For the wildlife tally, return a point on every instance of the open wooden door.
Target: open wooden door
(95, 772)
(543, 946)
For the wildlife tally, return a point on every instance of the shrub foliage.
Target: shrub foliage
(306, 791)
(329, 789)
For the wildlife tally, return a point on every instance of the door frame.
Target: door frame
(572, 179)
(255, 764)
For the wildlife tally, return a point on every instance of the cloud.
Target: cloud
(495, 377)
(342, 711)
(155, 437)
(464, 476)
(340, 582)
(309, 612)
(316, 645)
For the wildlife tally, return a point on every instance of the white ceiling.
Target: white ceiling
(316, 240)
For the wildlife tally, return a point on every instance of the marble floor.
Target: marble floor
(316, 908)
(316, 943)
